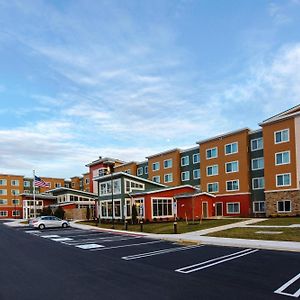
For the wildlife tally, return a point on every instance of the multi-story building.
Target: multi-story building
(128, 167)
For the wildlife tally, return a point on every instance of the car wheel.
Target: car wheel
(64, 225)
(41, 226)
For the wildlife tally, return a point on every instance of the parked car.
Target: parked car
(48, 222)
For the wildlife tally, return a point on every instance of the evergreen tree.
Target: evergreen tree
(59, 212)
(134, 214)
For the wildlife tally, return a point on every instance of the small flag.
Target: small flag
(40, 182)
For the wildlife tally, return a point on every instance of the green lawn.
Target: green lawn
(288, 234)
(283, 221)
(167, 227)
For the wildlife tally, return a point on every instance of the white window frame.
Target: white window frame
(182, 175)
(258, 178)
(15, 192)
(131, 188)
(281, 153)
(281, 131)
(231, 144)
(212, 167)
(183, 158)
(106, 202)
(139, 171)
(15, 182)
(15, 200)
(3, 182)
(257, 158)
(26, 183)
(258, 148)
(162, 198)
(4, 201)
(16, 213)
(233, 203)
(259, 202)
(138, 202)
(284, 211)
(3, 213)
(233, 190)
(197, 155)
(230, 163)
(146, 170)
(157, 176)
(196, 177)
(213, 183)
(154, 166)
(3, 192)
(168, 175)
(169, 163)
(283, 174)
(210, 149)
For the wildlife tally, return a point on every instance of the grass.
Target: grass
(167, 227)
(288, 234)
(283, 221)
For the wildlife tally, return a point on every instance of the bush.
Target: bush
(59, 212)
(46, 211)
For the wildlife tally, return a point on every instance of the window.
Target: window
(139, 203)
(15, 182)
(196, 158)
(57, 185)
(196, 173)
(168, 163)
(3, 182)
(128, 207)
(3, 201)
(232, 185)
(15, 192)
(212, 153)
(105, 187)
(283, 179)
(257, 144)
(212, 170)
(282, 136)
(231, 148)
(130, 185)
(282, 158)
(26, 183)
(15, 213)
(284, 206)
(156, 179)
(233, 208)
(103, 172)
(259, 207)
(155, 166)
(3, 213)
(185, 176)
(140, 171)
(168, 177)
(3, 192)
(258, 183)
(162, 207)
(213, 187)
(232, 166)
(146, 170)
(106, 209)
(185, 161)
(87, 181)
(15, 202)
(257, 163)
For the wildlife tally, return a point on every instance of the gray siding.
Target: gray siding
(190, 167)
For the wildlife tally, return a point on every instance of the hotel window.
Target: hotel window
(213, 187)
(155, 166)
(284, 206)
(3, 182)
(3, 213)
(3, 192)
(233, 208)
(129, 186)
(15, 202)
(140, 171)
(103, 172)
(26, 183)
(196, 174)
(232, 185)
(185, 176)
(146, 170)
(168, 178)
(15, 182)
(196, 158)
(140, 207)
(168, 163)
(282, 136)
(212, 170)
(162, 207)
(282, 158)
(87, 181)
(185, 161)
(15, 213)
(257, 144)
(156, 179)
(283, 179)
(259, 207)
(257, 163)
(258, 183)
(232, 166)
(57, 185)
(3, 201)
(231, 148)
(212, 153)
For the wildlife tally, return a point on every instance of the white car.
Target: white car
(48, 222)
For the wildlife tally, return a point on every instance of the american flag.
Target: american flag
(40, 182)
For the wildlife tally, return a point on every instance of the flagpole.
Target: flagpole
(34, 208)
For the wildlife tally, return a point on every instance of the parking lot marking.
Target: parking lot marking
(103, 239)
(215, 261)
(50, 236)
(32, 231)
(127, 245)
(286, 285)
(89, 246)
(158, 252)
(61, 239)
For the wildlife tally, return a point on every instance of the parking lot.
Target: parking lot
(236, 271)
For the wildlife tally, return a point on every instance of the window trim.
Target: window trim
(238, 182)
(140, 171)
(253, 207)
(184, 157)
(230, 162)
(169, 174)
(155, 177)
(216, 182)
(187, 172)
(156, 163)
(212, 166)
(233, 213)
(289, 152)
(256, 158)
(277, 175)
(288, 129)
(194, 174)
(209, 149)
(237, 148)
(196, 155)
(260, 138)
(284, 211)
(260, 188)
(167, 160)
(162, 198)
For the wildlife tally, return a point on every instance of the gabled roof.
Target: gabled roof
(189, 195)
(137, 193)
(289, 113)
(104, 159)
(64, 189)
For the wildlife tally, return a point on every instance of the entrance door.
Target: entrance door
(219, 209)
(204, 210)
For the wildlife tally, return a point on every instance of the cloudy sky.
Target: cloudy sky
(128, 79)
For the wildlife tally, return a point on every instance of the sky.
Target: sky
(128, 79)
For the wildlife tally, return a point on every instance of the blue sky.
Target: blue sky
(128, 79)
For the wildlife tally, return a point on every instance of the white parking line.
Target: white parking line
(32, 231)
(158, 252)
(127, 245)
(286, 285)
(89, 246)
(61, 239)
(105, 239)
(50, 236)
(215, 261)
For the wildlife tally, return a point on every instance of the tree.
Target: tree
(88, 213)
(46, 211)
(59, 212)
(134, 214)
